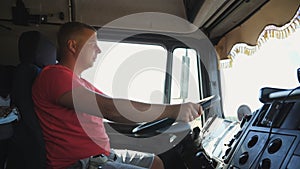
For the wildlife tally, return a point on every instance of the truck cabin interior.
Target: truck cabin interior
(266, 138)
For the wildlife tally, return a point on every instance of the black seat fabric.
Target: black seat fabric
(28, 149)
(6, 75)
(6, 130)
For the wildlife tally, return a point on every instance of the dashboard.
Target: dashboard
(267, 138)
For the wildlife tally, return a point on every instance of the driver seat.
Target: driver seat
(28, 147)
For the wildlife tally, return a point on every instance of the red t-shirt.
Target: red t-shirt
(69, 136)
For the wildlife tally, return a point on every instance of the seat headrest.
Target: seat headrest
(35, 48)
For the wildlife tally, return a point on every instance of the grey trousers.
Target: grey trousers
(118, 159)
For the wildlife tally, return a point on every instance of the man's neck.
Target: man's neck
(76, 71)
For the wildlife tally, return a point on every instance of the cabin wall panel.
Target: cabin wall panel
(51, 8)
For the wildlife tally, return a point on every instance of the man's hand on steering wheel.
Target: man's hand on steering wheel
(189, 111)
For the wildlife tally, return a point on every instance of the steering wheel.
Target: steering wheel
(152, 127)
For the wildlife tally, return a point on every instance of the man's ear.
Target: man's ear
(72, 46)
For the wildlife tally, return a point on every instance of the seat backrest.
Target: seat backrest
(28, 150)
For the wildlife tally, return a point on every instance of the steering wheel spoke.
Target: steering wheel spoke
(152, 127)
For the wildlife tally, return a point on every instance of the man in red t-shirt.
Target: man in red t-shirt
(74, 130)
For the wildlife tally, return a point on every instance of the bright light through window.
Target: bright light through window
(273, 65)
(133, 71)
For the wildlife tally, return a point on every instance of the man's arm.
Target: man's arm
(123, 110)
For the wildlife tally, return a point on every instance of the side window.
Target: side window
(185, 83)
(133, 71)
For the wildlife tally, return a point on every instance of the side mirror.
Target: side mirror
(185, 74)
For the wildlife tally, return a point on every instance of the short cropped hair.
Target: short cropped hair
(68, 31)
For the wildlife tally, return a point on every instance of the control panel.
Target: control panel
(269, 138)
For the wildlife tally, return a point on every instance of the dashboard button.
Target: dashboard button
(253, 140)
(274, 146)
(243, 158)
